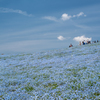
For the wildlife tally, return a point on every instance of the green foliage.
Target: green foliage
(45, 56)
(12, 83)
(46, 76)
(34, 77)
(1, 79)
(97, 93)
(99, 77)
(1, 97)
(51, 85)
(90, 83)
(29, 88)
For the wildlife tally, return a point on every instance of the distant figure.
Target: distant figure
(70, 45)
(97, 41)
(83, 43)
(80, 43)
(88, 42)
(94, 41)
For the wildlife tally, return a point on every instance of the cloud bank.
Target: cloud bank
(64, 17)
(82, 38)
(7, 10)
(78, 15)
(67, 17)
(61, 38)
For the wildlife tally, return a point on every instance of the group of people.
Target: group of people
(70, 45)
(87, 42)
(95, 41)
(84, 42)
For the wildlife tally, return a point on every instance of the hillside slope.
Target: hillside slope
(71, 73)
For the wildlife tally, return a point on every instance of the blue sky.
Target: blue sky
(38, 25)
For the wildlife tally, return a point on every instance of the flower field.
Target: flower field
(62, 74)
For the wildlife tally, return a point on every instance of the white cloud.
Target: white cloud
(7, 10)
(61, 38)
(65, 17)
(82, 38)
(74, 15)
(84, 15)
(80, 14)
(50, 18)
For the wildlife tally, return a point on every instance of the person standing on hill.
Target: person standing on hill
(83, 43)
(80, 43)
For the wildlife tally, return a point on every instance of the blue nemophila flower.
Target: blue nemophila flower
(57, 74)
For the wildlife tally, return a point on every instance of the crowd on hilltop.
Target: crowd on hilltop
(85, 42)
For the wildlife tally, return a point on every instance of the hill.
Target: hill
(70, 73)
